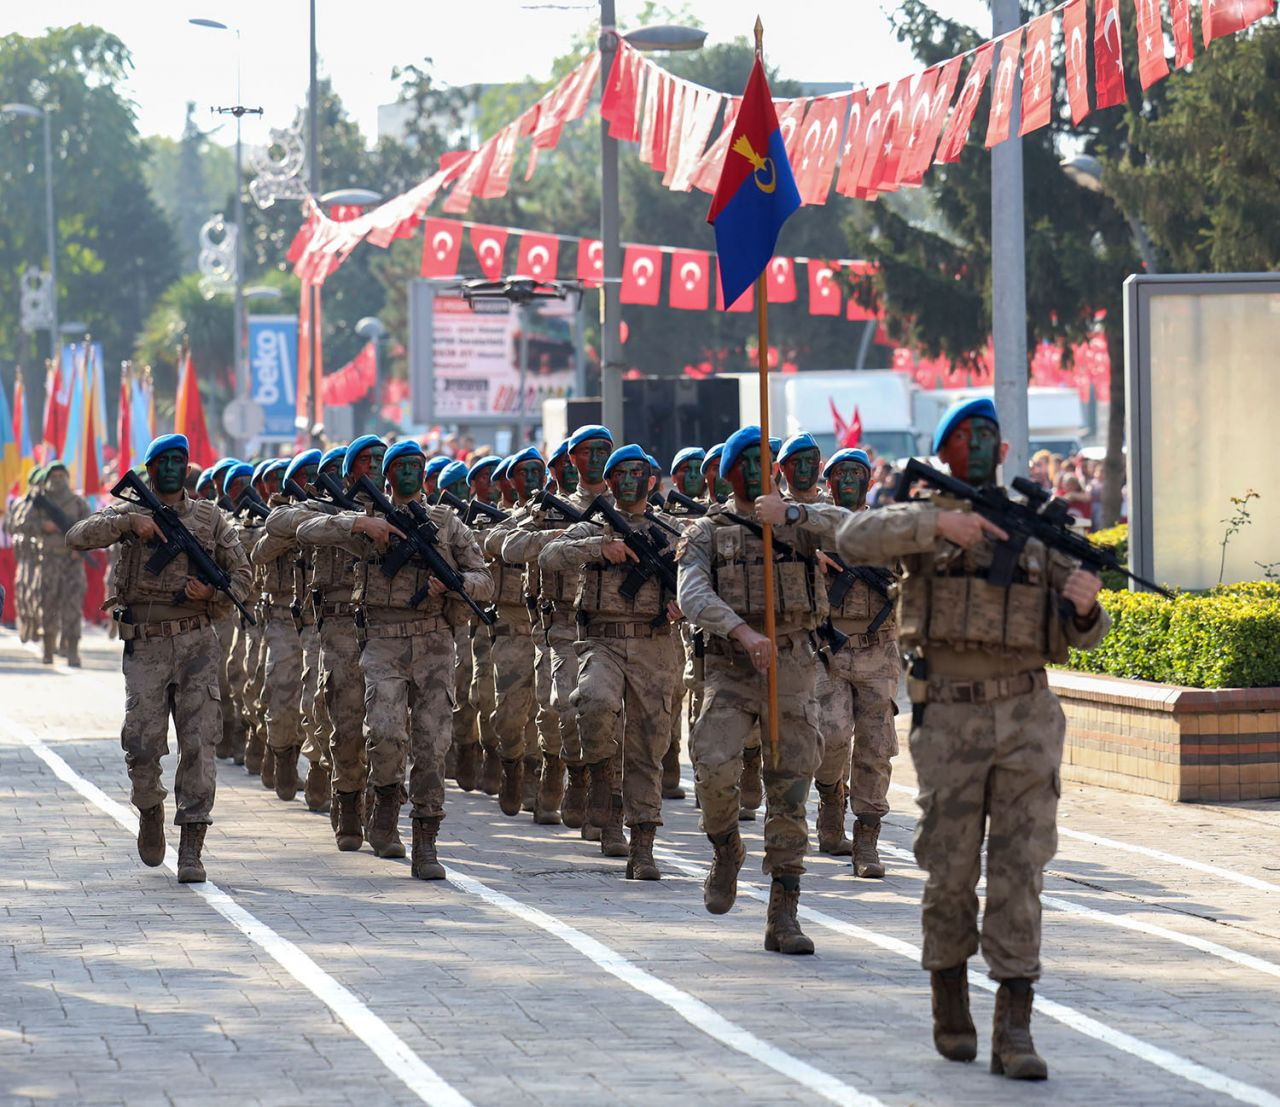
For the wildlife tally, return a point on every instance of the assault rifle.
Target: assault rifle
(1041, 517)
(476, 508)
(656, 557)
(337, 494)
(549, 501)
(52, 511)
(301, 495)
(420, 542)
(249, 501)
(177, 540)
(878, 580)
(688, 505)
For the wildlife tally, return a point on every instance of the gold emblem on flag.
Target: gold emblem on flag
(743, 147)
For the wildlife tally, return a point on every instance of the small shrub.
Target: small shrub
(1115, 539)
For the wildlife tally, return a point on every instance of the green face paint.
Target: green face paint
(406, 476)
(458, 488)
(983, 452)
(376, 454)
(528, 477)
(306, 476)
(848, 483)
(690, 481)
(169, 471)
(802, 470)
(568, 478)
(590, 458)
(630, 482)
(747, 479)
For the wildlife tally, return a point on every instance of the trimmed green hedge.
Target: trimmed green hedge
(1115, 539)
(1226, 638)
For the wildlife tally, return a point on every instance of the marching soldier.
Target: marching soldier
(721, 590)
(234, 478)
(562, 476)
(204, 485)
(431, 474)
(987, 733)
(266, 482)
(480, 486)
(51, 513)
(26, 552)
(170, 655)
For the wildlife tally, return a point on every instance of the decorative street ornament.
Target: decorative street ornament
(37, 300)
(217, 260)
(281, 166)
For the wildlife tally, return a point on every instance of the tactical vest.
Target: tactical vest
(132, 585)
(598, 596)
(861, 605)
(737, 574)
(508, 583)
(332, 572)
(374, 589)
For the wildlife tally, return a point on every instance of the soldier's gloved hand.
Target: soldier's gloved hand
(436, 587)
(771, 509)
(965, 528)
(376, 528)
(616, 552)
(759, 649)
(145, 527)
(1081, 590)
(198, 590)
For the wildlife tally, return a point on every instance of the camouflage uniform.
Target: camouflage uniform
(244, 665)
(60, 573)
(170, 656)
(25, 556)
(482, 693)
(987, 734)
(512, 649)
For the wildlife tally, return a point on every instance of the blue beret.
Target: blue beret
(713, 454)
(591, 430)
(452, 473)
(334, 453)
(356, 448)
(775, 444)
(653, 463)
(437, 465)
(500, 473)
(738, 441)
(206, 477)
(529, 453)
(836, 458)
(220, 464)
(237, 470)
(982, 408)
(560, 451)
(272, 464)
(794, 444)
(163, 443)
(630, 452)
(488, 459)
(406, 447)
(307, 457)
(690, 454)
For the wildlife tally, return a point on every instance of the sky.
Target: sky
(848, 41)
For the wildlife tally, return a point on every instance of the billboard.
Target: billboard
(273, 373)
(464, 365)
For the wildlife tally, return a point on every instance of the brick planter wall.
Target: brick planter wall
(1187, 744)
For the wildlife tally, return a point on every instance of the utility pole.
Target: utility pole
(611, 366)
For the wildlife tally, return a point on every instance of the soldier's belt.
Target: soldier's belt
(407, 630)
(507, 629)
(938, 690)
(863, 641)
(622, 630)
(333, 610)
(727, 647)
(169, 628)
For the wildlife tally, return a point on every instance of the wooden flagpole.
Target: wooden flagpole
(766, 473)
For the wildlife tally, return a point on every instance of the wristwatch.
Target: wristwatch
(795, 514)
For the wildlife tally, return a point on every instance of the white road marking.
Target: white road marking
(1145, 851)
(1170, 1062)
(692, 1010)
(416, 1075)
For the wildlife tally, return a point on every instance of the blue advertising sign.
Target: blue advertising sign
(273, 373)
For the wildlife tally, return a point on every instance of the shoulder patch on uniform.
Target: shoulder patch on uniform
(682, 544)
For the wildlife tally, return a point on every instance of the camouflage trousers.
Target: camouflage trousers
(172, 676)
(224, 630)
(62, 585)
(408, 699)
(26, 595)
(677, 689)
(464, 712)
(992, 767)
(514, 704)
(855, 715)
(627, 681)
(342, 686)
(314, 717)
(239, 669)
(734, 712)
(483, 687)
(562, 642)
(282, 682)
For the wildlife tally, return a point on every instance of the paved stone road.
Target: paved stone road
(538, 975)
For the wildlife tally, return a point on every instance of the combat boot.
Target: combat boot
(832, 839)
(268, 775)
(73, 658)
(613, 840)
(782, 933)
(866, 858)
(316, 792)
(451, 762)
(151, 835)
(640, 862)
(426, 865)
(550, 791)
(467, 771)
(599, 798)
(190, 871)
(225, 747)
(347, 830)
(253, 751)
(954, 1035)
(529, 784)
(48, 653)
(752, 788)
(720, 888)
(366, 810)
(1013, 1053)
(384, 823)
(490, 773)
(671, 789)
(573, 808)
(512, 785)
(287, 773)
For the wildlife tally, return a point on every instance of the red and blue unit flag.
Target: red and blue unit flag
(756, 193)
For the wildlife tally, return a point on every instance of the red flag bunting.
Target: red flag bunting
(868, 157)
(819, 145)
(621, 95)
(824, 293)
(885, 157)
(782, 281)
(790, 115)
(441, 246)
(352, 382)
(1184, 37)
(1002, 87)
(1108, 54)
(490, 246)
(957, 131)
(916, 126)
(944, 87)
(707, 174)
(590, 262)
(539, 254)
(497, 176)
(1075, 35)
(852, 150)
(1037, 75)
(854, 311)
(1152, 66)
(642, 275)
(690, 279)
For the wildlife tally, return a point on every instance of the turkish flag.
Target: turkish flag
(916, 127)
(538, 256)
(1226, 17)
(852, 150)
(819, 144)
(745, 302)
(781, 280)
(441, 245)
(1108, 54)
(490, 245)
(690, 279)
(956, 135)
(618, 103)
(872, 137)
(923, 143)
(824, 293)
(883, 174)
(854, 311)
(472, 178)
(1184, 37)
(790, 113)
(300, 240)
(1037, 75)
(1152, 66)
(1002, 88)
(642, 275)
(1075, 35)
(590, 262)
(706, 176)
(498, 173)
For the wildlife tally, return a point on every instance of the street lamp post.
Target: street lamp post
(28, 111)
(370, 328)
